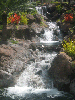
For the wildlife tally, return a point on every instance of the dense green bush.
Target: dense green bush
(69, 47)
(24, 20)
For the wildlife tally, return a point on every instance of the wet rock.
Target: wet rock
(31, 51)
(55, 38)
(72, 86)
(37, 51)
(42, 58)
(39, 72)
(32, 46)
(33, 59)
(56, 33)
(46, 61)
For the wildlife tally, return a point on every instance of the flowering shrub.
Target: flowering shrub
(68, 17)
(13, 19)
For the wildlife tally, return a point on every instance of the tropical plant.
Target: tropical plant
(69, 47)
(24, 20)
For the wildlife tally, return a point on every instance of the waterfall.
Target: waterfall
(34, 82)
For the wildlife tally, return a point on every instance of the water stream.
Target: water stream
(34, 83)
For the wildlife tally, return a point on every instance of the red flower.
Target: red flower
(15, 15)
(15, 18)
(68, 17)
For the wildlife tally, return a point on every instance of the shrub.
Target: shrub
(24, 20)
(69, 47)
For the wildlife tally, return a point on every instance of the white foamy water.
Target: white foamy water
(16, 91)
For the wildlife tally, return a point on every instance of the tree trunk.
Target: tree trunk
(4, 21)
(69, 1)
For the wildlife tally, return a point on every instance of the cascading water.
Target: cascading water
(34, 82)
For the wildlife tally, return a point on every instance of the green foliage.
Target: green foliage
(59, 8)
(38, 2)
(58, 20)
(24, 20)
(32, 11)
(52, 2)
(34, 3)
(69, 11)
(63, 20)
(1, 27)
(10, 13)
(69, 47)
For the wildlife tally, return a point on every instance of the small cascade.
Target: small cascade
(41, 10)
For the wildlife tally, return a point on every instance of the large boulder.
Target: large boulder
(60, 70)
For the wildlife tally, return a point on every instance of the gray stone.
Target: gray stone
(33, 59)
(39, 72)
(46, 61)
(5, 78)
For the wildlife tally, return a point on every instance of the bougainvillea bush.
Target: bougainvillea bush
(14, 19)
